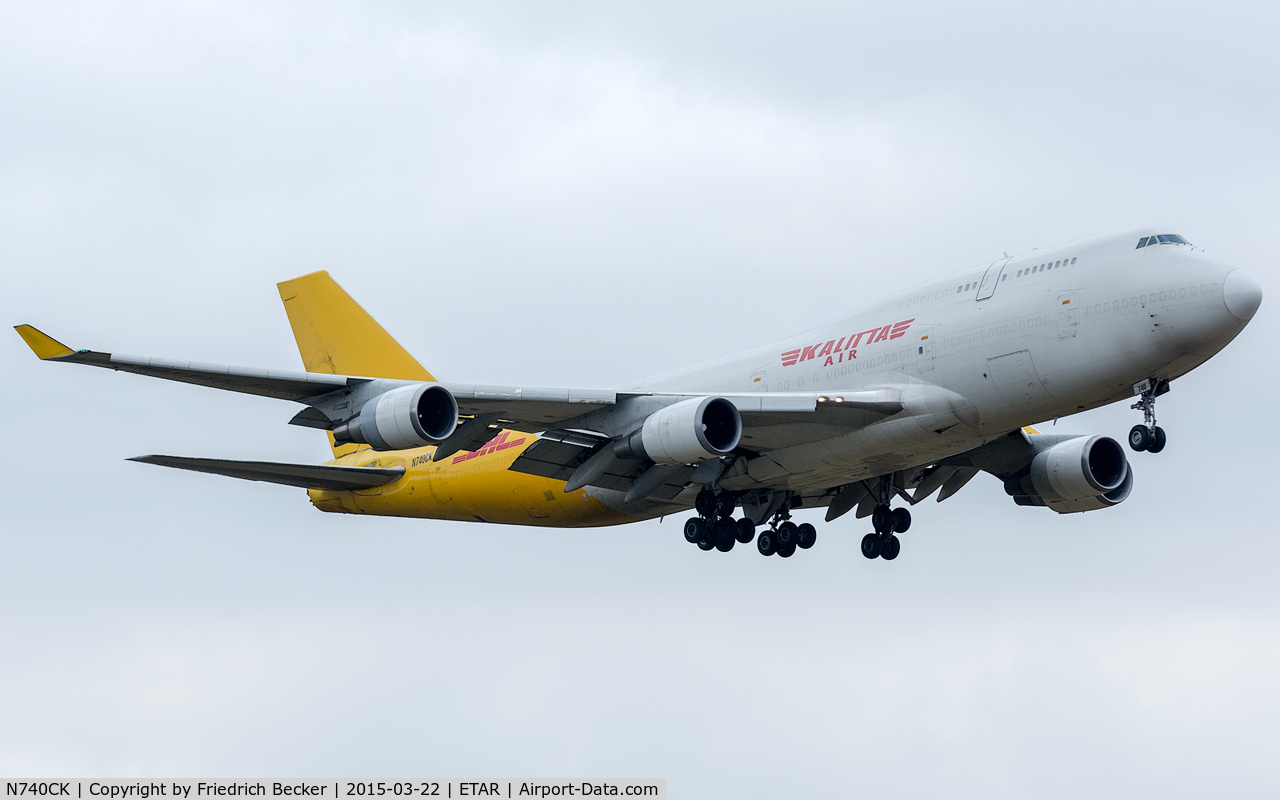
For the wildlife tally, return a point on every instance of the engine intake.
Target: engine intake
(687, 431)
(404, 418)
(1080, 474)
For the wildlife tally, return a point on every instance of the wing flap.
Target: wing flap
(303, 476)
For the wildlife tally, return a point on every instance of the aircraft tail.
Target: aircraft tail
(336, 336)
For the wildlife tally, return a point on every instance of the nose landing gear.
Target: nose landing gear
(1148, 436)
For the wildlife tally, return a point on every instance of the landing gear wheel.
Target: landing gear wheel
(726, 545)
(706, 544)
(882, 519)
(705, 503)
(901, 520)
(723, 532)
(806, 535)
(786, 535)
(890, 547)
(746, 531)
(725, 504)
(871, 545)
(766, 544)
(787, 550)
(695, 529)
(1157, 441)
(1140, 438)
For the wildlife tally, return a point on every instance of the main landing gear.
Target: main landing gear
(784, 536)
(715, 528)
(1148, 436)
(886, 521)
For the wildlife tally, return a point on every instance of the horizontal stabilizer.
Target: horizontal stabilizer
(304, 476)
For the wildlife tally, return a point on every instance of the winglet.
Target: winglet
(42, 344)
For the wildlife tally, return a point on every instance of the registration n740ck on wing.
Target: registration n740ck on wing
(895, 401)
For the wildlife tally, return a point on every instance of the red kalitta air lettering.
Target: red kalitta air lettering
(845, 348)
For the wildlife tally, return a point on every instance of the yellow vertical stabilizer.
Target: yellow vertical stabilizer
(335, 335)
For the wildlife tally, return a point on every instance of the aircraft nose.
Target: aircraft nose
(1242, 294)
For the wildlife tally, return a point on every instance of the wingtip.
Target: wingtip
(42, 344)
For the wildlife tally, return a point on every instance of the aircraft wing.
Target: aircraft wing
(522, 407)
(305, 476)
(770, 420)
(534, 408)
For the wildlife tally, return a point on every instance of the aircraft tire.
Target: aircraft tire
(694, 529)
(1140, 438)
(766, 544)
(726, 544)
(1157, 441)
(705, 503)
(871, 545)
(901, 520)
(786, 534)
(725, 504)
(746, 531)
(706, 544)
(890, 547)
(787, 550)
(723, 530)
(806, 535)
(882, 519)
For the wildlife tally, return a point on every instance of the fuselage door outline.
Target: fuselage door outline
(991, 278)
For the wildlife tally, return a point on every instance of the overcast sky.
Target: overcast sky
(576, 195)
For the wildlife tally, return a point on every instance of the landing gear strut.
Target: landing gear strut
(886, 521)
(1148, 436)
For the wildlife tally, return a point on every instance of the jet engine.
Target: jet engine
(688, 431)
(1080, 474)
(404, 418)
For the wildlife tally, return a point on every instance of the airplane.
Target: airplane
(904, 397)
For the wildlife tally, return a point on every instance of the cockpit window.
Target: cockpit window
(1164, 238)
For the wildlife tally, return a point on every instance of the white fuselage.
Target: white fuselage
(1056, 331)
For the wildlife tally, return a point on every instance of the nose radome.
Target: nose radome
(1242, 295)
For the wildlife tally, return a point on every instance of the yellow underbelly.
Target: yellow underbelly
(475, 487)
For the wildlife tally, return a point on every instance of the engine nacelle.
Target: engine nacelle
(404, 418)
(1085, 466)
(1112, 498)
(1080, 474)
(688, 431)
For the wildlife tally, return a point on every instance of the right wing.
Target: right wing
(336, 397)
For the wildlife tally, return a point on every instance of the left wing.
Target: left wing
(305, 476)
